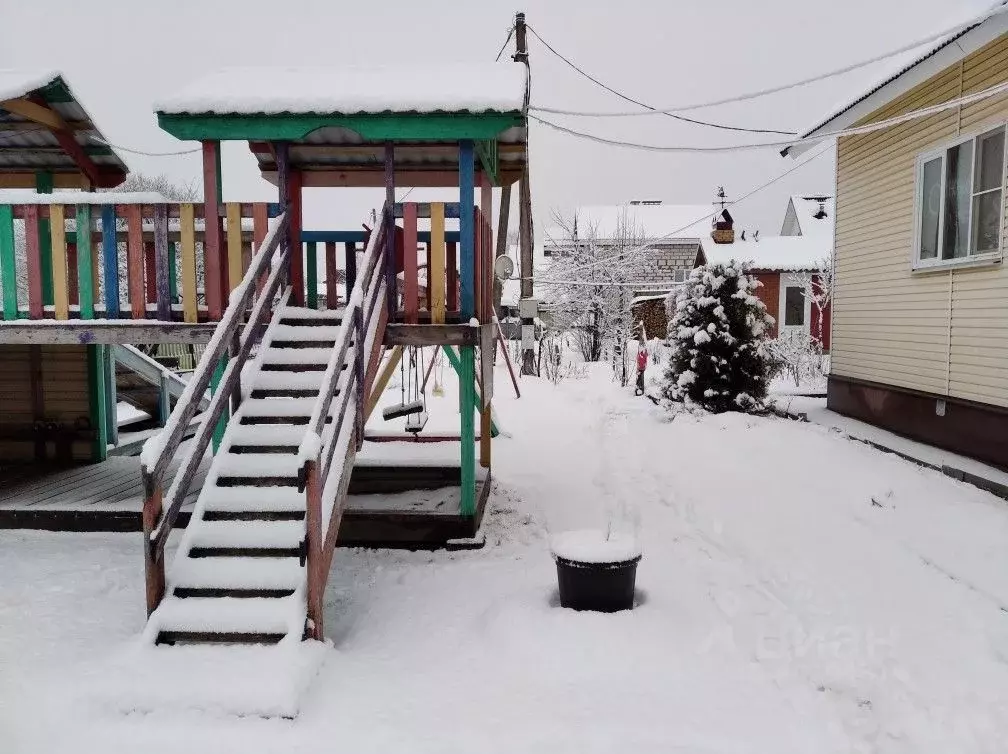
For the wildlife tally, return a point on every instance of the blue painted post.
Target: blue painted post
(111, 259)
(467, 248)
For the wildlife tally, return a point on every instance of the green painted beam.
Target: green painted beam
(8, 265)
(96, 401)
(377, 127)
(467, 433)
(218, 433)
(457, 366)
(85, 278)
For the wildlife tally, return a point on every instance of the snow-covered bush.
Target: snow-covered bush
(717, 333)
(798, 355)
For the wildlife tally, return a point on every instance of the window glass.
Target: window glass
(794, 306)
(930, 208)
(990, 158)
(958, 193)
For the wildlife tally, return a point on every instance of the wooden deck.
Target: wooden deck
(393, 504)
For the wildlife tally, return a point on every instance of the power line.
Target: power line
(648, 107)
(650, 244)
(142, 153)
(508, 39)
(996, 10)
(924, 112)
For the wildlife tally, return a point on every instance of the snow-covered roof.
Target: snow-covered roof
(649, 297)
(16, 82)
(672, 222)
(815, 214)
(463, 87)
(775, 253)
(978, 24)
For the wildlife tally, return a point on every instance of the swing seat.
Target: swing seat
(402, 409)
(416, 422)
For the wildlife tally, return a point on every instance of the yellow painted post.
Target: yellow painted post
(234, 245)
(436, 274)
(57, 232)
(187, 221)
(382, 381)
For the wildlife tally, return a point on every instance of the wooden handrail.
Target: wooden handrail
(159, 451)
(319, 446)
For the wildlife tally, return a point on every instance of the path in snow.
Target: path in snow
(799, 592)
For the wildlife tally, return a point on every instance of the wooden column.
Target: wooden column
(110, 257)
(135, 258)
(331, 290)
(411, 303)
(86, 287)
(389, 219)
(33, 262)
(502, 230)
(96, 401)
(451, 253)
(289, 186)
(212, 246)
(351, 266)
(467, 303)
(162, 268)
(8, 264)
(526, 267)
(311, 273)
(44, 185)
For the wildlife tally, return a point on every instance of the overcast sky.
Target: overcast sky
(121, 55)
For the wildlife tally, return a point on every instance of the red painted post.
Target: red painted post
(135, 257)
(73, 294)
(477, 265)
(453, 284)
(34, 262)
(331, 283)
(316, 540)
(410, 277)
(212, 230)
(260, 222)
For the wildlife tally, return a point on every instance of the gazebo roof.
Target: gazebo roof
(337, 120)
(45, 129)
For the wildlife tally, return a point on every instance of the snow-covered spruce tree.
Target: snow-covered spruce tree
(717, 331)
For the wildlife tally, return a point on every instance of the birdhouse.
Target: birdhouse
(724, 228)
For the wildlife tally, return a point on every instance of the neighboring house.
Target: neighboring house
(809, 215)
(920, 321)
(789, 269)
(674, 237)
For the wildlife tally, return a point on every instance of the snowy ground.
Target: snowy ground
(799, 593)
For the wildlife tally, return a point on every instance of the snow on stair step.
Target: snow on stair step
(255, 615)
(305, 313)
(278, 434)
(304, 332)
(247, 534)
(256, 465)
(278, 407)
(296, 355)
(237, 573)
(252, 499)
(287, 380)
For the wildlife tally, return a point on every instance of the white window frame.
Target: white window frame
(793, 281)
(939, 152)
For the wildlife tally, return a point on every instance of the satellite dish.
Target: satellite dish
(503, 267)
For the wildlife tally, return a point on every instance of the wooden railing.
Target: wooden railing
(139, 260)
(230, 339)
(361, 329)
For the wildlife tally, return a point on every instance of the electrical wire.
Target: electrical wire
(648, 107)
(958, 28)
(508, 39)
(924, 112)
(142, 153)
(651, 243)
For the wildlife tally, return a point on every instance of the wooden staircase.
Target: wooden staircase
(252, 564)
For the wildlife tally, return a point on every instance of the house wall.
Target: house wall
(659, 263)
(941, 333)
(60, 395)
(769, 294)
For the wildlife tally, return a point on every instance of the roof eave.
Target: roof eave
(951, 52)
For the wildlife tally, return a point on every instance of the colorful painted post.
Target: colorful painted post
(161, 268)
(389, 219)
(61, 301)
(260, 222)
(172, 271)
(71, 266)
(150, 275)
(33, 262)
(411, 303)
(234, 246)
(311, 274)
(331, 292)
(453, 282)
(466, 260)
(436, 273)
(211, 236)
(218, 433)
(110, 257)
(96, 401)
(351, 266)
(44, 185)
(8, 267)
(187, 234)
(135, 258)
(289, 187)
(85, 280)
(467, 388)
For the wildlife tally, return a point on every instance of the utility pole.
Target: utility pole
(527, 305)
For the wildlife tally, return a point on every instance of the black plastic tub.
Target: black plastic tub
(603, 587)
